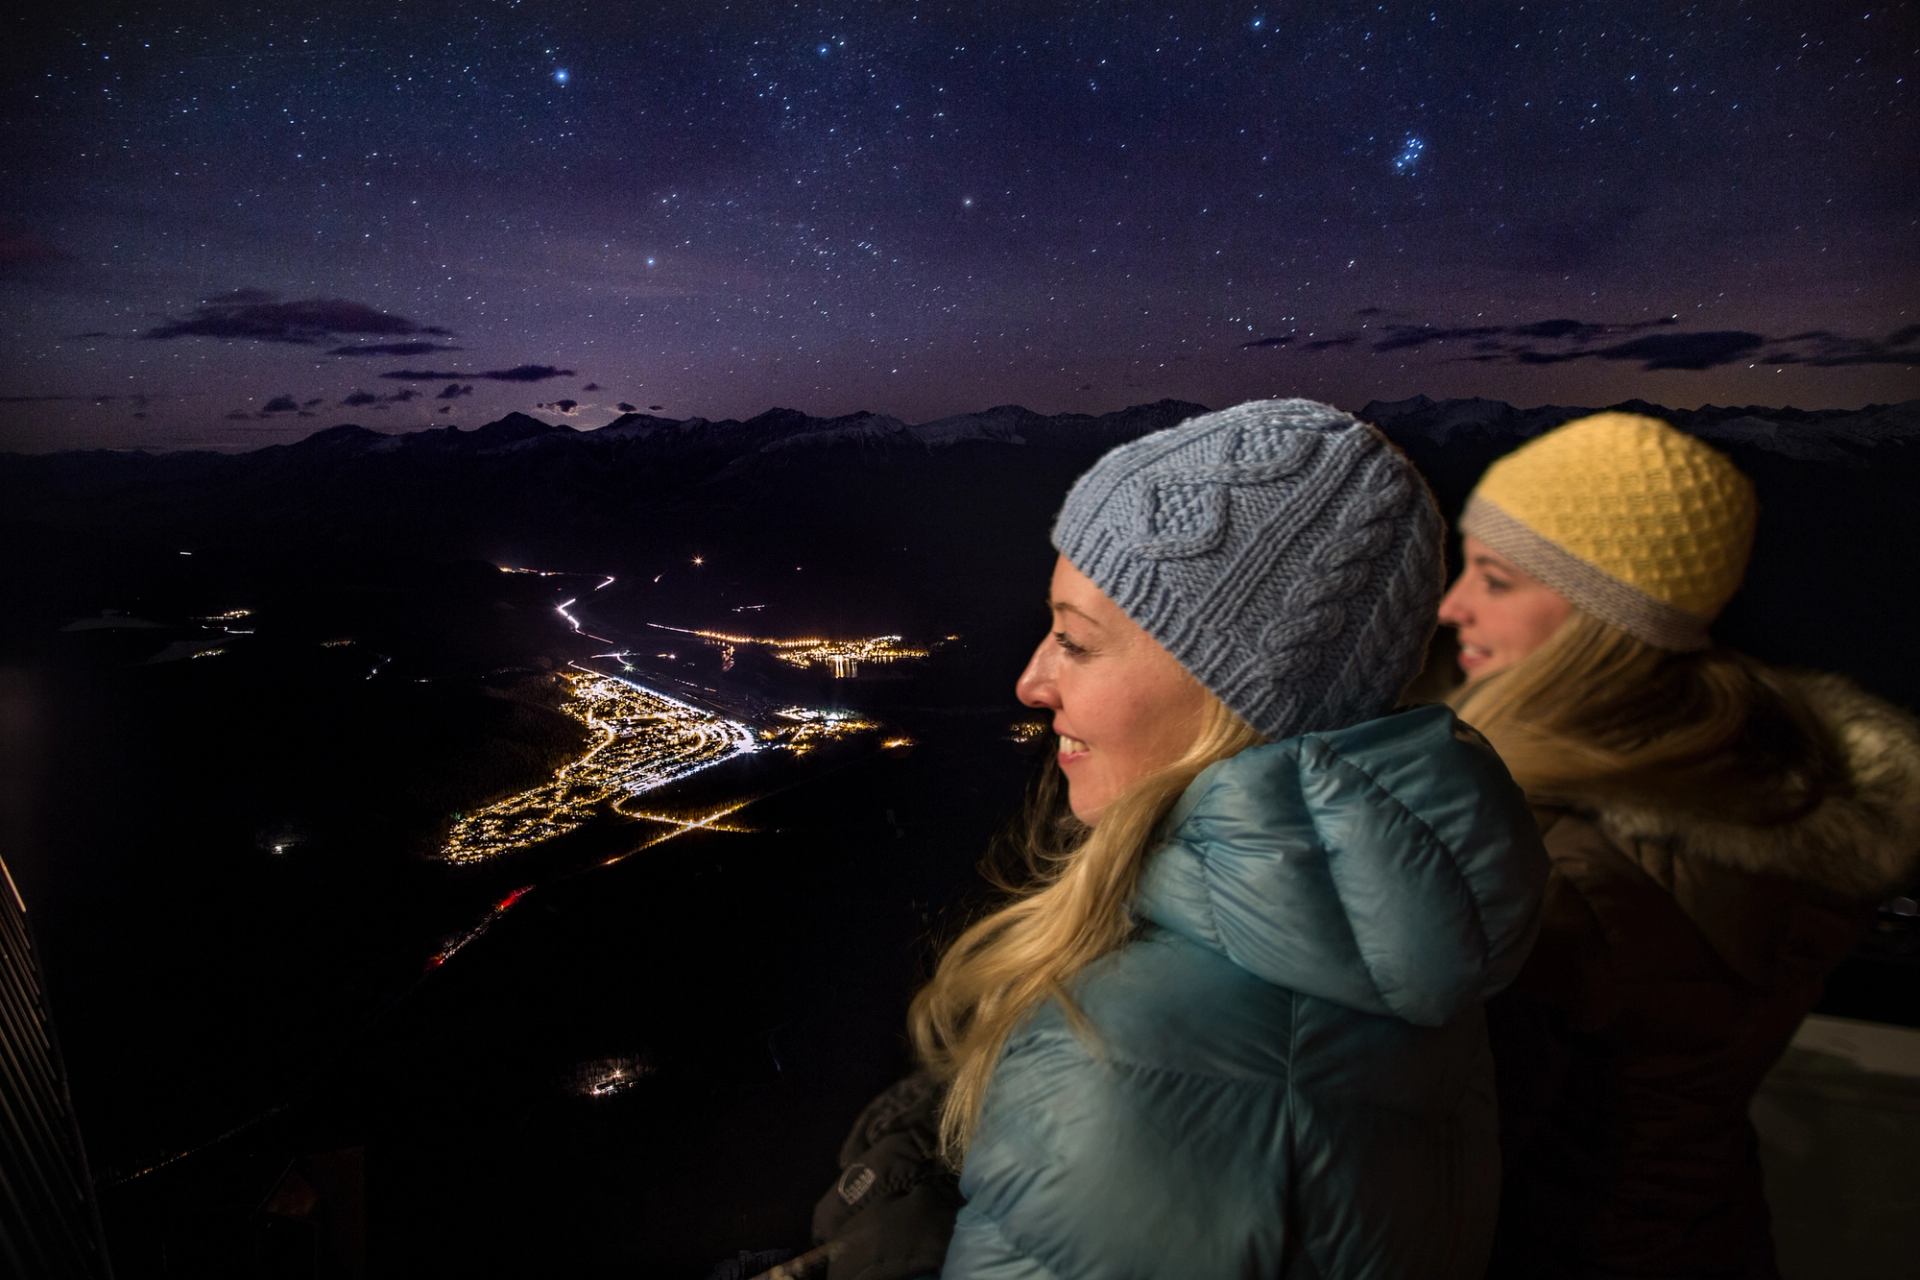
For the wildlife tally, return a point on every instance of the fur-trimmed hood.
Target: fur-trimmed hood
(1861, 842)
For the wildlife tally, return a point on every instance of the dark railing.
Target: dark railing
(49, 1220)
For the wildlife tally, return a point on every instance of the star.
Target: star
(560, 76)
(1410, 152)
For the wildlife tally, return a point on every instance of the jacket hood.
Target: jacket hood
(1861, 841)
(1392, 867)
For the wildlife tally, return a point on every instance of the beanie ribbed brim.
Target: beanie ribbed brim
(1588, 587)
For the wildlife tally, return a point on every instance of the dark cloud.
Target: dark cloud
(519, 373)
(560, 406)
(1493, 337)
(1290, 339)
(308, 404)
(624, 407)
(89, 335)
(1405, 337)
(1653, 344)
(1316, 344)
(655, 408)
(454, 391)
(1707, 349)
(238, 415)
(445, 408)
(281, 404)
(1562, 328)
(401, 396)
(526, 373)
(393, 349)
(256, 315)
(1826, 350)
(591, 386)
(1587, 331)
(1710, 349)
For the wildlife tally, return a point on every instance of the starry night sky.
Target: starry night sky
(225, 226)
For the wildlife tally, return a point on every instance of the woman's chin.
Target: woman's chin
(1088, 814)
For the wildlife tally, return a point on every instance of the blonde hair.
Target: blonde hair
(1597, 714)
(1073, 909)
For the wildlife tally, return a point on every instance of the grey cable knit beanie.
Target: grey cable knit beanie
(1287, 554)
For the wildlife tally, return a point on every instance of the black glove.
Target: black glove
(890, 1213)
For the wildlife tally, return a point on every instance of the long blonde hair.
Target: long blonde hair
(1597, 714)
(1072, 910)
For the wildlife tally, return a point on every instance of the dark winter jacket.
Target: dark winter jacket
(1678, 953)
(1289, 1075)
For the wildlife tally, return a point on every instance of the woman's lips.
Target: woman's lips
(1472, 655)
(1071, 749)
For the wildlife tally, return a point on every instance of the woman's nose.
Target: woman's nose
(1035, 685)
(1453, 610)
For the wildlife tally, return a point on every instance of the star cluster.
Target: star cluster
(227, 225)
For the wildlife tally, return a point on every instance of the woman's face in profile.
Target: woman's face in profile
(1501, 613)
(1122, 705)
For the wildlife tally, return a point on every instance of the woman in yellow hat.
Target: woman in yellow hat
(1718, 830)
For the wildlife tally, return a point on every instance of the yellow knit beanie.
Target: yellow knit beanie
(1635, 522)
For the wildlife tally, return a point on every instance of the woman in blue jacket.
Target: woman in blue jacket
(1233, 1027)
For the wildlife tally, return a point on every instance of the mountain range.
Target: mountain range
(891, 519)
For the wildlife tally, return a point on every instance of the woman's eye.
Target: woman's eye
(1067, 645)
(1497, 586)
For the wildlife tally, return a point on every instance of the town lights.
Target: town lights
(841, 657)
(643, 739)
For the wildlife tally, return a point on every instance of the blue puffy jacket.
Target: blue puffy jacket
(1290, 1075)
